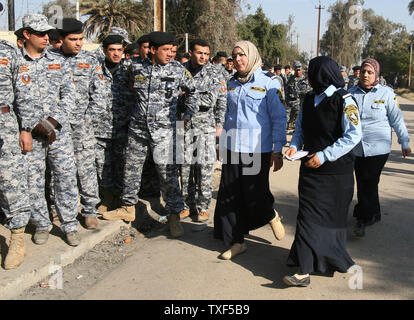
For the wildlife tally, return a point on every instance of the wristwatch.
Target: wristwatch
(26, 129)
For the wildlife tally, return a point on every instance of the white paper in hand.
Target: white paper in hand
(299, 154)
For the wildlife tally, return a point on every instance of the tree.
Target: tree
(212, 20)
(342, 41)
(68, 9)
(411, 7)
(105, 14)
(270, 39)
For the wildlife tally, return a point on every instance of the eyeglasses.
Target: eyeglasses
(39, 34)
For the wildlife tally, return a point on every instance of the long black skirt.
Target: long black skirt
(244, 200)
(320, 239)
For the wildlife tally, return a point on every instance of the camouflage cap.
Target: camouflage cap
(117, 31)
(297, 65)
(37, 22)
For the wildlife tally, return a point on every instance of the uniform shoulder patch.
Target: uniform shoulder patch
(396, 101)
(25, 78)
(351, 111)
(24, 68)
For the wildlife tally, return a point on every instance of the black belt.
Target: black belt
(204, 109)
(5, 109)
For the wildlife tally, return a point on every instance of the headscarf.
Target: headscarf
(323, 72)
(253, 57)
(374, 65)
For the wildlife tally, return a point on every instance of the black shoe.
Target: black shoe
(359, 230)
(374, 219)
(293, 281)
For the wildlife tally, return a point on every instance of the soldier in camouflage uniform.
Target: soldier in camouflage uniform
(204, 126)
(45, 94)
(89, 101)
(115, 31)
(296, 89)
(111, 127)
(14, 193)
(354, 79)
(157, 83)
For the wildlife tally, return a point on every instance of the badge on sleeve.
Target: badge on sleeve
(4, 61)
(396, 101)
(188, 74)
(100, 76)
(223, 88)
(25, 78)
(352, 113)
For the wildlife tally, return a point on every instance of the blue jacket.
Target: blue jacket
(351, 132)
(255, 120)
(379, 111)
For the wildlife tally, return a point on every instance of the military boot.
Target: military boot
(176, 229)
(107, 199)
(126, 213)
(17, 250)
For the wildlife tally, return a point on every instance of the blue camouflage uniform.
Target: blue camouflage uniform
(44, 88)
(14, 193)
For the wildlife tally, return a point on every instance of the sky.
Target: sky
(278, 11)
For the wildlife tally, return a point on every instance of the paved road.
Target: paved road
(158, 267)
(188, 268)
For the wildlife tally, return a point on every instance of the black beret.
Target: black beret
(112, 39)
(54, 35)
(159, 38)
(143, 39)
(287, 66)
(221, 54)
(19, 33)
(71, 25)
(131, 47)
(278, 67)
(356, 68)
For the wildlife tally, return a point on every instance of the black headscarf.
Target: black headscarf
(322, 72)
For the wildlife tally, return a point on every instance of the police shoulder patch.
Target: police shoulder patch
(396, 101)
(26, 78)
(351, 111)
(24, 68)
(140, 78)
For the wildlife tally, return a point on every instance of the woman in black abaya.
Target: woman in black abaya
(328, 127)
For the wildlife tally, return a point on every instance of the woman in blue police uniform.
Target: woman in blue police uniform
(380, 113)
(251, 143)
(328, 127)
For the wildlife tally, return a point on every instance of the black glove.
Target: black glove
(46, 130)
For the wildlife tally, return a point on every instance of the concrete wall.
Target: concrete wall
(9, 36)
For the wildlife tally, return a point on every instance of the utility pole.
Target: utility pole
(159, 15)
(319, 8)
(297, 41)
(10, 6)
(77, 11)
(411, 59)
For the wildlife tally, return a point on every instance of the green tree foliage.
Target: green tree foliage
(211, 20)
(343, 39)
(411, 7)
(105, 14)
(270, 39)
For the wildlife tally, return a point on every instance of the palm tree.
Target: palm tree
(411, 7)
(105, 14)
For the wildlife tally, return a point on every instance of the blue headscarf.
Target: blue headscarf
(323, 72)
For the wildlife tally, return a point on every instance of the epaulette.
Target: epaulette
(344, 94)
(271, 75)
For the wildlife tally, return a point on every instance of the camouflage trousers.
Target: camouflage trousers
(14, 192)
(136, 153)
(60, 157)
(292, 110)
(196, 172)
(84, 146)
(110, 161)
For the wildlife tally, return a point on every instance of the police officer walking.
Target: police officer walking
(201, 131)
(158, 83)
(296, 89)
(44, 100)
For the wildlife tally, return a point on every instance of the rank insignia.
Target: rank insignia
(140, 78)
(24, 68)
(55, 66)
(4, 61)
(352, 113)
(83, 65)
